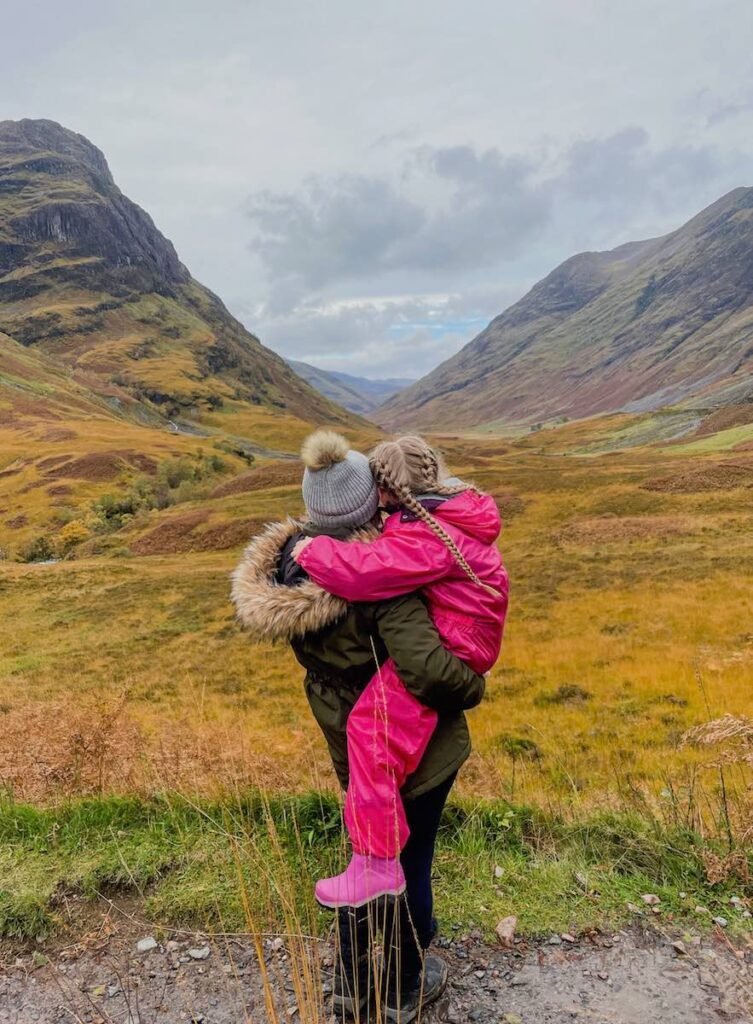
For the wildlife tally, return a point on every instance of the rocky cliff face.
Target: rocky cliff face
(649, 324)
(86, 277)
(61, 197)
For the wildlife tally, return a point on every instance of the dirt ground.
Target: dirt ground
(630, 977)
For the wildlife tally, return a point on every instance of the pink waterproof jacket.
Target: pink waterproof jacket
(409, 556)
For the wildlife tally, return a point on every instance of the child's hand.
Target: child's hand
(304, 543)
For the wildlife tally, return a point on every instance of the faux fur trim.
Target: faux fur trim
(274, 612)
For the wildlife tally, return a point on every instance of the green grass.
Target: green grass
(646, 429)
(224, 865)
(723, 440)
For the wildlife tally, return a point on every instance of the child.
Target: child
(440, 537)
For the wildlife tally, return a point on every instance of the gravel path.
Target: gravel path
(119, 974)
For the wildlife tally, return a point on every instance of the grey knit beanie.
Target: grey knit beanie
(338, 487)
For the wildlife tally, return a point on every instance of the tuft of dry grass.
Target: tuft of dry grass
(723, 730)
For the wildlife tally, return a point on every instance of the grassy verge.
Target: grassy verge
(251, 861)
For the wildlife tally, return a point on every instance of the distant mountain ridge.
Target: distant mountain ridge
(87, 280)
(646, 325)
(359, 394)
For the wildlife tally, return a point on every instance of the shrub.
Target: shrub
(38, 549)
(113, 511)
(175, 482)
(71, 534)
(187, 490)
(568, 693)
(173, 472)
(519, 748)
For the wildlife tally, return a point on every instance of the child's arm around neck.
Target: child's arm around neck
(406, 557)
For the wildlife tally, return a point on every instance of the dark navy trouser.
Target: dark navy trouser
(408, 926)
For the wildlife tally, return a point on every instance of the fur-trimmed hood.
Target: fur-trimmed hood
(271, 611)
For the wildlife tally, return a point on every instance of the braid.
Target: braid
(447, 490)
(433, 471)
(429, 468)
(386, 480)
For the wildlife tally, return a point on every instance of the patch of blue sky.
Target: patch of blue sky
(454, 326)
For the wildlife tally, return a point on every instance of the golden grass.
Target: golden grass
(273, 428)
(629, 624)
(29, 491)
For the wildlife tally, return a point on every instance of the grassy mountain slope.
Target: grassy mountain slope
(359, 394)
(122, 379)
(86, 277)
(647, 325)
(32, 388)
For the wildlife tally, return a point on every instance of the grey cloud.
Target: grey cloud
(495, 208)
(728, 111)
(347, 227)
(368, 338)
(453, 211)
(475, 210)
(715, 110)
(624, 170)
(478, 173)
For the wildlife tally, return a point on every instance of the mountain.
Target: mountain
(126, 387)
(88, 281)
(647, 325)
(359, 394)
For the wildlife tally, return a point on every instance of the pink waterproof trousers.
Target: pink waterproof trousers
(388, 732)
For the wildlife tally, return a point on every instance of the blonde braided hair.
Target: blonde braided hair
(410, 466)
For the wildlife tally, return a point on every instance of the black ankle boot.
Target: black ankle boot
(351, 989)
(402, 1007)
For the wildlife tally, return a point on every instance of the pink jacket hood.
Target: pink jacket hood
(475, 514)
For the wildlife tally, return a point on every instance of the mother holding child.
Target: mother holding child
(393, 595)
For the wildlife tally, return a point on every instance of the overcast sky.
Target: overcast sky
(367, 184)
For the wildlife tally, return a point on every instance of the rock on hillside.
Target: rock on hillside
(649, 324)
(87, 279)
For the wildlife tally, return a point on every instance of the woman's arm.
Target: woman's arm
(428, 670)
(398, 562)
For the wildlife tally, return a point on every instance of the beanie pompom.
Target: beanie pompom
(322, 449)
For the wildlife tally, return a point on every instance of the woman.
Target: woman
(337, 645)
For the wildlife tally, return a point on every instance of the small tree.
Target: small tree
(71, 535)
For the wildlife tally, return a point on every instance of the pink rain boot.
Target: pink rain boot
(366, 878)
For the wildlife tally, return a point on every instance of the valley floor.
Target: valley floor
(625, 977)
(629, 625)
